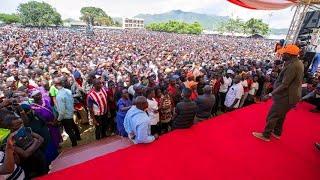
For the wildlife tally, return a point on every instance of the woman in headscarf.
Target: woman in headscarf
(43, 111)
(123, 105)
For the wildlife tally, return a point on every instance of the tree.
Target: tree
(231, 26)
(117, 24)
(252, 26)
(9, 18)
(38, 14)
(256, 26)
(95, 16)
(176, 27)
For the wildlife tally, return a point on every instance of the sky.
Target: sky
(130, 8)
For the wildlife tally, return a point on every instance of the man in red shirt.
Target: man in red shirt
(97, 101)
(173, 90)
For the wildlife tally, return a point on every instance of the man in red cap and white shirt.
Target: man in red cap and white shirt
(286, 93)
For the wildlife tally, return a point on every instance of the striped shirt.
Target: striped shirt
(17, 174)
(98, 101)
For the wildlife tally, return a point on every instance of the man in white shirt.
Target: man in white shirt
(225, 84)
(234, 94)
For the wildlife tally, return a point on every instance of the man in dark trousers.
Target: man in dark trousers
(97, 101)
(286, 93)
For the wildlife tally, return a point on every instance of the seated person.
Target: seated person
(205, 104)
(137, 123)
(185, 111)
(314, 98)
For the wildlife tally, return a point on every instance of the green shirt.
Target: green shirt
(53, 92)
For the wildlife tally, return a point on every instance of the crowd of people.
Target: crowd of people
(133, 83)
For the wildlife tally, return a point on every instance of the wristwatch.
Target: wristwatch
(270, 94)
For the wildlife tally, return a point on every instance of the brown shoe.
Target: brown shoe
(260, 136)
(275, 136)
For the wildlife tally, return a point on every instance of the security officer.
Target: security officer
(286, 93)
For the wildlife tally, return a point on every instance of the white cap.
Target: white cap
(229, 71)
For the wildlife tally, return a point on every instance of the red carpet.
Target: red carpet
(221, 148)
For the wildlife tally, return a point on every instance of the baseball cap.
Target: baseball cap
(290, 49)
(229, 71)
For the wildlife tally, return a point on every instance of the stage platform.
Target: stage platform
(219, 148)
(80, 154)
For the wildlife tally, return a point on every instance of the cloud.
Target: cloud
(71, 8)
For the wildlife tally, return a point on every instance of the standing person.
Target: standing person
(153, 111)
(78, 95)
(253, 90)
(286, 93)
(193, 86)
(65, 108)
(112, 107)
(246, 84)
(43, 110)
(123, 105)
(216, 83)
(234, 94)
(226, 82)
(97, 103)
(185, 111)
(173, 90)
(165, 110)
(205, 104)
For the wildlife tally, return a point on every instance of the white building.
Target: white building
(132, 23)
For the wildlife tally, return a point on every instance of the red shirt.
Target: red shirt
(172, 90)
(249, 82)
(194, 96)
(111, 104)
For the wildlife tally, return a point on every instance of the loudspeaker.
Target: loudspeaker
(307, 59)
(312, 20)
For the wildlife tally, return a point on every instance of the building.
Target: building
(132, 23)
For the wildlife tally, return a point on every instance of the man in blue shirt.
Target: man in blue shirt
(65, 109)
(137, 122)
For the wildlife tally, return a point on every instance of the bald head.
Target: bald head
(57, 82)
(237, 79)
(141, 102)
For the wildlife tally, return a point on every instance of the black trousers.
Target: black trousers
(72, 130)
(112, 124)
(222, 98)
(275, 118)
(155, 129)
(165, 126)
(101, 129)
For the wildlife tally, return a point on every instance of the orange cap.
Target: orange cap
(290, 49)
(192, 83)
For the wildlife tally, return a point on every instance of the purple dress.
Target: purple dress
(121, 115)
(45, 112)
